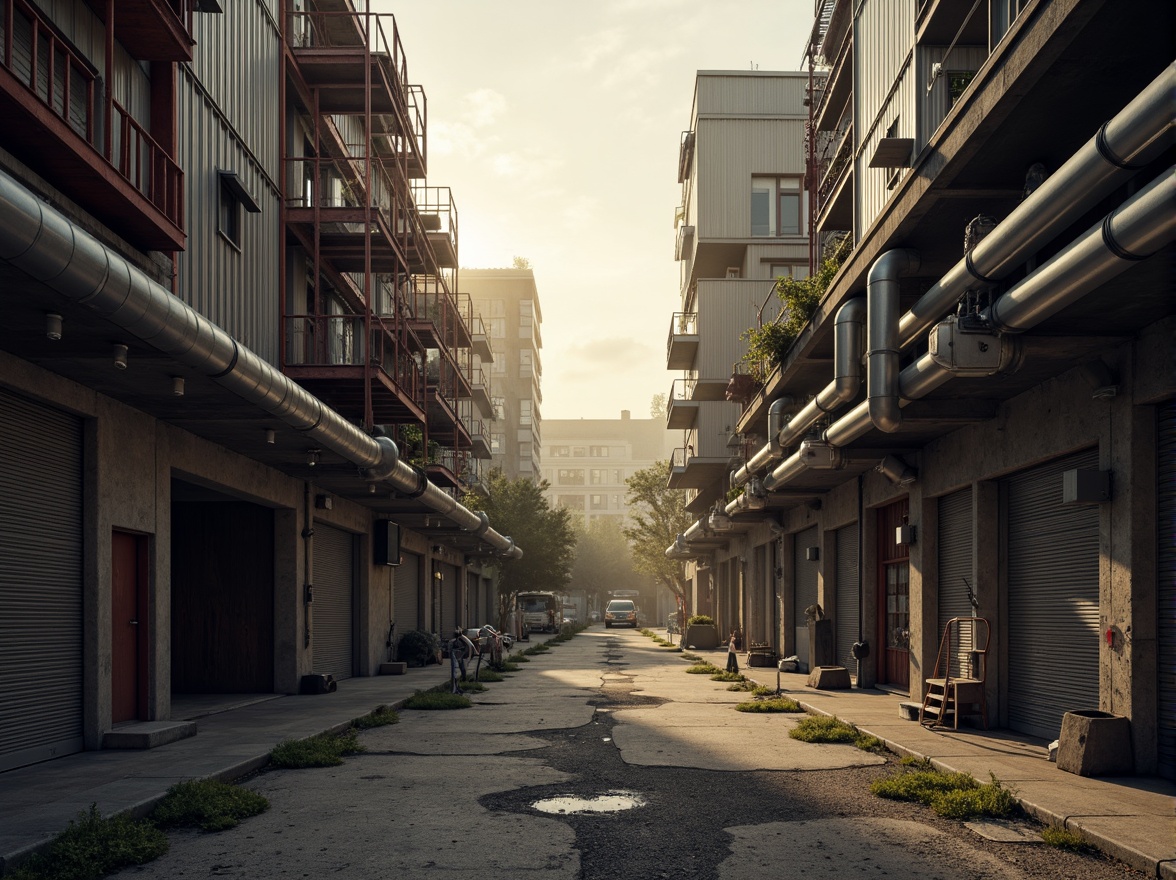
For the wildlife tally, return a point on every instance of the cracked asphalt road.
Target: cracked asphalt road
(727, 795)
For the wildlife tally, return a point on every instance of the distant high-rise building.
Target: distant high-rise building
(587, 461)
(509, 303)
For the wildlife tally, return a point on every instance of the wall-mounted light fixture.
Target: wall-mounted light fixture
(371, 488)
(120, 356)
(324, 502)
(178, 386)
(52, 326)
(269, 436)
(812, 554)
(904, 534)
(312, 456)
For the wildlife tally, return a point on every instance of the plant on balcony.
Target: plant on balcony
(767, 345)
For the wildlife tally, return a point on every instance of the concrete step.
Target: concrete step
(148, 734)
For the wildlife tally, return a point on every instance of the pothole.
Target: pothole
(609, 802)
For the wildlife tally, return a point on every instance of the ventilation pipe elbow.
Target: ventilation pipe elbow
(778, 414)
(847, 351)
(388, 460)
(882, 336)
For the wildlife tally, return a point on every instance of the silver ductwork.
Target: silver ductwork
(882, 349)
(1127, 142)
(847, 379)
(43, 243)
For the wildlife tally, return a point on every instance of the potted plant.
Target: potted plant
(701, 632)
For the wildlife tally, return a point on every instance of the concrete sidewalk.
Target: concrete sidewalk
(1132, 818)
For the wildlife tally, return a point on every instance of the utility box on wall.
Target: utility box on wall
(386, 543)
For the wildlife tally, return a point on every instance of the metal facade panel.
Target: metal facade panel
(406, 593)
(955, 564)
(1166, 577)
(334, 604)
(847, 614)
(740, 92)
(726, 310)
(804, 582)
(1053, 598)
(40, 582)
(935, 104)
(728, 153)
(716, 421)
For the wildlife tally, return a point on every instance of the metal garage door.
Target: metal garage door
(1166, 537)
(406, 593)
(449, 590)
(334, 588)
(1053, 622)
(955, 573)
(847, 595)
(804, 580)
(40, 582)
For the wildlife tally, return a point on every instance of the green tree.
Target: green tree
(603, 558)
(518, 510)
(520, 263)
(657, 406)
(657, 515)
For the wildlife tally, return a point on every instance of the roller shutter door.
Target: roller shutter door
(1166, 480)
(40, 582)
(449, 610)
(334, 576)
(406, 593)
(804, 574)
(955, 564)
(1053, 601)
(847, 595)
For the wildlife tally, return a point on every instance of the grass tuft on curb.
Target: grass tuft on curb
(207, 805)
(951, 795)
(775, 704)
(517, 657)
(728, 676)
(437, 700)
(92, 847)
(831, 729)
(703, 669)
(324, 750)
(1068, 839)
(381, 716)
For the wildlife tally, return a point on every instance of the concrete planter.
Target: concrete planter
(1095, 743)
(702, 636)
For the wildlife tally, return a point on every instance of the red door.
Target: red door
(894, 580)
(128, 627)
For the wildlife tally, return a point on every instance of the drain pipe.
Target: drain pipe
(882, 350)
(847, 379)
(1124, 144)
(45, 244)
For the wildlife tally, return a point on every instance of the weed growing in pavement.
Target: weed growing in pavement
(506, 666)
(541, 648)
(1067, 838)
(469, 686)
(487, 674)
(518, 657)
(776, 704)
(437, 700)
(951, 795)
(693, 658)
(756, 690)
(826, 729)
(92, 847)
(381, 716)
(727, 676)
(323, 750)
(208, 805)
(703, 669)
(917, 763)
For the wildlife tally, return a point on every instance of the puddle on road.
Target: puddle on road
(609, 802)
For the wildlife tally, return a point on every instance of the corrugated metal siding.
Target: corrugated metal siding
(955, 564)
(716, 421)
(847, 612)
(935, 104)
(883, 40)
(1053, 598)
(748, 93)
(406, 593)
(804, 582)
(40, 582)
(229, 119)
(333, 608)
(726, 310)
(728, 153)
(1166, 576)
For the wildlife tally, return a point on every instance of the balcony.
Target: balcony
(438, 222)
(682, 342)
(336, 359)
(690, 471)
(152, 30)
(480, 438)
(445, 467)
(684, 242)
(482, 344)
(938, 22)
(480, 388)
(94, 151)
(835, 193)
(838, 87)
(681, 409)
(339, 52)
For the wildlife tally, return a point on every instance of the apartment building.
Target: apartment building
(236, 374)
(978, 423)
(508, 300)
(587, 461)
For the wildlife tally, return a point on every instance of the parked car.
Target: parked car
(620, 612)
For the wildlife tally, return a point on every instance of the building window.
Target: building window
(618, 502)
(776, 206)
(498, 328)
(232, 199)
(524, 364)
(579, 452)
(524, 412)
(560, 451)
(598, 502)
(618, 476)
(495, 444)
(571, 502)
(498, 365)
(598, 452)
(597, 476)
(570, 477)
(796, 271)
(499, 404)
(497, 308)
(957, 83)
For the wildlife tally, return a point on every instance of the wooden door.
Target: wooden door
(894, 616)
(128, 627)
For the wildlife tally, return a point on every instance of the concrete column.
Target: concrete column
(924, 608)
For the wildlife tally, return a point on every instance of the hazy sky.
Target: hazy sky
(557, 126)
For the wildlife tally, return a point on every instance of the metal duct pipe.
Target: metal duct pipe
(772, 451)
(1134, 231)
(847, 379)
(1131, 139)
(882, 351)
(44, 243)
